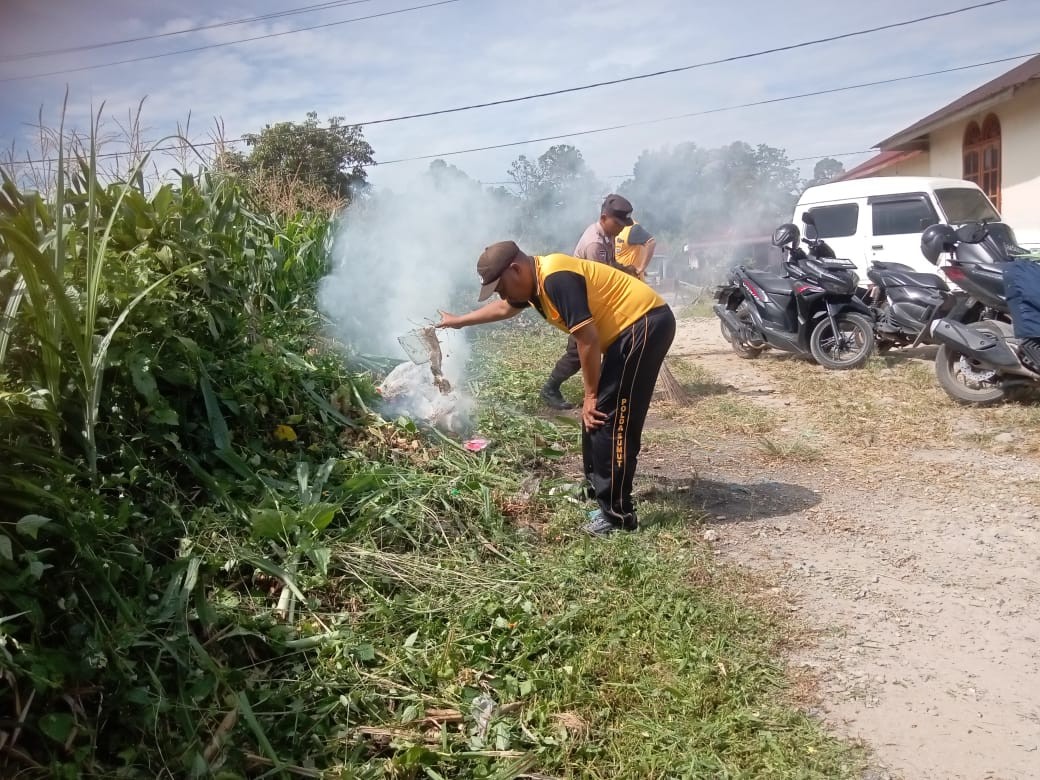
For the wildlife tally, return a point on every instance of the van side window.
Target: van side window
(897, 217)
(836, 221)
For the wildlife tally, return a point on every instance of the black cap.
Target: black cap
(493, 261)
(619, 208)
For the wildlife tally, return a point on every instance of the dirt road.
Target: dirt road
(918, 564)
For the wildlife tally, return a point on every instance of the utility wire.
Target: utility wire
(682, 68)
(233, 43)
(263, 18)
(703, 112)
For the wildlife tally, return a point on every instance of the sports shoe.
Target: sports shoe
(600, 526)
(1031, 353)
(596, 516)
(553, 398)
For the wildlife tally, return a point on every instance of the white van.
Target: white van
(882, 217)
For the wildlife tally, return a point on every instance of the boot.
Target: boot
(552, 396)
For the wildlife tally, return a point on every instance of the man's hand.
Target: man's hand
(590, 415)
(448, 320)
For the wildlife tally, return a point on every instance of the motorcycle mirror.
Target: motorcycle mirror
(811, 232)
(927, 223)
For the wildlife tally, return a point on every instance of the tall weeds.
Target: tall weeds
(152, 340)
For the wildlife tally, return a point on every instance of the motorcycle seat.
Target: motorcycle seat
(883, 266)
(770, 282)
(893, 277)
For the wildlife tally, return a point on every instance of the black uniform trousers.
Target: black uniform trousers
(568, 365)
(626, 385)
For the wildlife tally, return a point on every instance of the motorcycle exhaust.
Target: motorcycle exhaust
(729, 318)
(978, 345)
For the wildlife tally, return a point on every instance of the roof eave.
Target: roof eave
(916, 136)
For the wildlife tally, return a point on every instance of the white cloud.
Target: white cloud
(477, 50)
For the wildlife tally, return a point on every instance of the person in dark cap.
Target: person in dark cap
(597, 244)
(622, 329)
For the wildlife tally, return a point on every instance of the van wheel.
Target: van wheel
(850, 347)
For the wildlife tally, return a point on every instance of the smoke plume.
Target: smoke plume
(398, 257)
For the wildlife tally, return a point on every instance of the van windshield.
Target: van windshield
(964, 204)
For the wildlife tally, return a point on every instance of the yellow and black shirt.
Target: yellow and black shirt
(572, 293)
(630, 244)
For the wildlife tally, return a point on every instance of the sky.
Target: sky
(471, 51)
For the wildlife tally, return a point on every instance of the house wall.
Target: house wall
(921, 165)
(1020, 167)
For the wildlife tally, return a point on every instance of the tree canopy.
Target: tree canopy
(690, 192)
(559, 196)
(826, 170)
(331, 158)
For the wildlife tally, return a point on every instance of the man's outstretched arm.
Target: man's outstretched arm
(491, 312)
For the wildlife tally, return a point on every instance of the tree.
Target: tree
(688, 192)
(827, 169)
(330, 158)
(559, 196)
(717, 200)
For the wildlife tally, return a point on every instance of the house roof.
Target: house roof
(876, 163)
(1027, 71)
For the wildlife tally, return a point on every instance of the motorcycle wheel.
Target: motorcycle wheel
(962, 382)
(850, 347)
(726, 333)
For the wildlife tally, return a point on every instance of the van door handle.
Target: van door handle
(878, 246)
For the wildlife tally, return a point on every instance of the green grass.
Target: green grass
(606, 659)
(670, 673)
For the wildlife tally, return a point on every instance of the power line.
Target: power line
(264, 17)
(682, 68)
(703, 112)
(233, 43)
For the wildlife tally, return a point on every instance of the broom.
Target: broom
(668, 386)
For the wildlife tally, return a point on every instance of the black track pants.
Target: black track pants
(626, 385)
(568, 365)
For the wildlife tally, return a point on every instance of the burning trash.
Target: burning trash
(419, 390)
(423, 346)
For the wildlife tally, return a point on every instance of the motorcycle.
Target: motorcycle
(977, 362)
(905, 302)
(811, 311)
